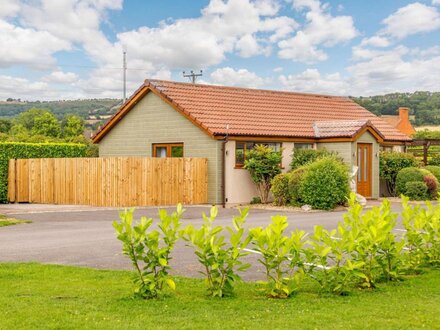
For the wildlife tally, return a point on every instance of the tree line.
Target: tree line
(424, 106)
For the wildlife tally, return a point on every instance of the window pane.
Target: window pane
(177, 151)
(359, 164)
(239, 153)
(365, 164)
(161, 152)
(303, 146)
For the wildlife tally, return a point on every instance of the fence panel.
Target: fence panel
(109, 181)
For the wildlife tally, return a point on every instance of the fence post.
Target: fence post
(12, 181)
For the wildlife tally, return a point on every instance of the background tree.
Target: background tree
(46, 124)
(72, 126)
(27, 118)
(5, 126)
(263, 164)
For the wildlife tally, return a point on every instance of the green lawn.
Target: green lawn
(6, 221)
(48, 296)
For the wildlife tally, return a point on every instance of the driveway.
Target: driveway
(84, 236)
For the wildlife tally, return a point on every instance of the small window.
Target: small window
(387, 148)
(163, 150)
(241, 148)
(303, 146)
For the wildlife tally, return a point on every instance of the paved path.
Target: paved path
(84, 236)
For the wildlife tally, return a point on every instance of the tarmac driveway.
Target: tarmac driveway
(84, 236)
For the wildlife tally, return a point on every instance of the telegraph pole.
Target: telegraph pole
(124, 74)
(193, 76)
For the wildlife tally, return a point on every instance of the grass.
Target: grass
(50, 296)
(5, 221)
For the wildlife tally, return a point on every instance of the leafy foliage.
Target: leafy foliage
(417, 191)
(390, 163)
(149, 250)
(281, 256)
(280, 189)
(301, 157)
(435, 170)
(295, 182)
(16, 150)
(432, 184)
(263, 164)
(422, 236)
(221, 261)
(325, 184)
(409, 174)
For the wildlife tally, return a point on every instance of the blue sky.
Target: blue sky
(68, 49)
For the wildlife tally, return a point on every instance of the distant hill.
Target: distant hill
(424, 106)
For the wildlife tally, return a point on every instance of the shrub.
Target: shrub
(281, 256)
(301, 157)
(263, 164)
(149, 251)
(16, 150)
(422, 236)
(295, 180)
(390, 163)
(325, 184)
(435, 170)
(432, 184)
(409, 174)
(280, 189)
(416, 191)
(256, 200)
(435, 160)
(220, 261)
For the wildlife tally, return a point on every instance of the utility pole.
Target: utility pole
(193, 76)
(124, 69)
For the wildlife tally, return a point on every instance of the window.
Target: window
(386, 148)
(242, 147)
(163, 150)
(303, 146)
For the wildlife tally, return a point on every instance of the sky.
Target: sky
(71, 49)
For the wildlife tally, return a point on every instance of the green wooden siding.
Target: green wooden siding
(154, 121)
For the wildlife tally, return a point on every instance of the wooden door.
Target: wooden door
(364, 162)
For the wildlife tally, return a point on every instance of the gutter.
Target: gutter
(224, 141)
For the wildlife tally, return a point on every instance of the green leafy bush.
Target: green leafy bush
(301, 157)
(435, 170)
(325, 184)
(17, 150)
(409, 174)
(417, 191)
(422, 236)
(295, 181)
(280, 189)
(149, 251)
(281, 256)
(390, 163)
(374, 244)
(263, 164)
(434, 161)
(220, 261)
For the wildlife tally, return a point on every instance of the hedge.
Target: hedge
(409, 174)
(19, 150)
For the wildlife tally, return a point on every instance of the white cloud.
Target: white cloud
(321, 30)
(28, 46)
(60, 77)
(9, 8)
(375, 41)
(230, 77)
(311, 80)
(412, 19)
(436, 2)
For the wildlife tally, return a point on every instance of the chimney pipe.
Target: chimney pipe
(404, 114)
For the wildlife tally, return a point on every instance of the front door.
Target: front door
(364, 162)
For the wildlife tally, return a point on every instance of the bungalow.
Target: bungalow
(173, 119)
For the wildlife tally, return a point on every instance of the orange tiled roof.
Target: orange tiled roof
(253, 112)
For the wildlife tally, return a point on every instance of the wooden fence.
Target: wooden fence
(113, 181)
